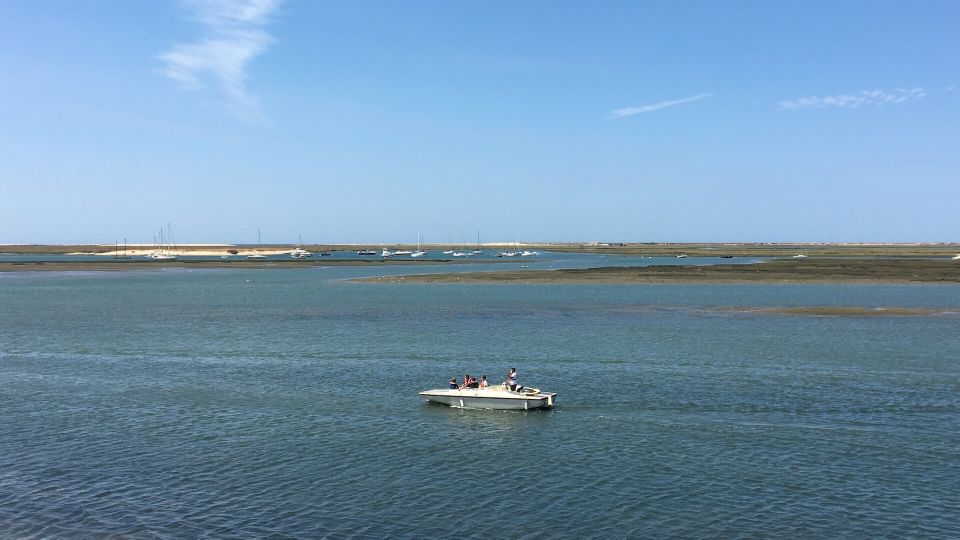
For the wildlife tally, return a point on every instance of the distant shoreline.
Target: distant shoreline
(651, 249)
(126, 265)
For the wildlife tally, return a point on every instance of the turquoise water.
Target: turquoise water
(251, 403)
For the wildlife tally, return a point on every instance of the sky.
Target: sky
(368, 121)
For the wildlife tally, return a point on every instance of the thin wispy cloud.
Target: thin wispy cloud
(643, 109)
(234, 34)
(865, 98)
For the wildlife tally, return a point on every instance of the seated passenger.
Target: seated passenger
(483, 381)
(453, 384)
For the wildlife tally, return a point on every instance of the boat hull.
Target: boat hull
(490, 399)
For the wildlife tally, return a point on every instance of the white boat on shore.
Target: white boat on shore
(491, 397)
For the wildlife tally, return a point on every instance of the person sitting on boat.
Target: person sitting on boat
(469, 382)
(513, 380)
(453, 384)
(483, 382)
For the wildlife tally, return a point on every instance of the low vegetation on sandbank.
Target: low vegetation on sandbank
(809, 270)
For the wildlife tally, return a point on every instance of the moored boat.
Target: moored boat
(491, 397)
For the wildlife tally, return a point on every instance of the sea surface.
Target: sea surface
(283, 402)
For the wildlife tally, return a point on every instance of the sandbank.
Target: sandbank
(786, 271)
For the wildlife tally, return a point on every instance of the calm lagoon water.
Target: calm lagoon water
(248, 403)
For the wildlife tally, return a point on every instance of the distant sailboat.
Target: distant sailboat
(162, 251)
(118, 255)
(418, 252)
(479, 250)
(257, 255)
(515, 252)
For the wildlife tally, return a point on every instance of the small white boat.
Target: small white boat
(955, 257)
(529, 253)
(403, 252)
(386, 253)
(492, 397)
(419, 252)
(256, 255)
(460, 254)
(299, 252)
(799, 256)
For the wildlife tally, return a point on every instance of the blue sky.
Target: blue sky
(365, 121)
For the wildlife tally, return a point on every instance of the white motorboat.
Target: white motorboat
(799, 256)
(299, 252)
(955, 257)
(491, 397)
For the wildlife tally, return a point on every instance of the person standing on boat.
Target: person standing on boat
(513, 380)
